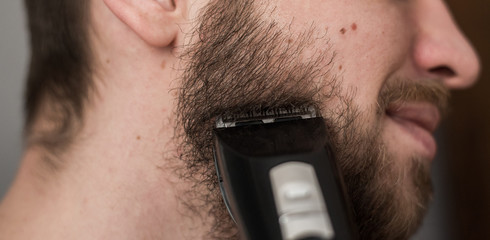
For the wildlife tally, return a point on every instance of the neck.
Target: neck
(105, 192)
(112, 202)
(116, 181)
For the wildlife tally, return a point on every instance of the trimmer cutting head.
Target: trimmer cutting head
(267, 115)
(278, 175)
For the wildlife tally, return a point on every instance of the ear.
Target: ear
(154, 21)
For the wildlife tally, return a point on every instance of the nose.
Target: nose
(441, 51)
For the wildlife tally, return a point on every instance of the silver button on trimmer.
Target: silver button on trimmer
(299, 201)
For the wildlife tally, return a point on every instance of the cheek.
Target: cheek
(369, 38)
(371, 51)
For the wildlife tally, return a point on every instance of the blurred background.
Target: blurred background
(461, 209)
(13, 66)
(468, 132)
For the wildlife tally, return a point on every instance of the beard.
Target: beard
(238, 62)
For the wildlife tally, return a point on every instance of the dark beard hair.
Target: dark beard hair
(240, 63)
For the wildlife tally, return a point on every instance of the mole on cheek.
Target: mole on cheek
(353, 26)
(343, 30)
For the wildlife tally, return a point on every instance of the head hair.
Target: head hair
(58, 81)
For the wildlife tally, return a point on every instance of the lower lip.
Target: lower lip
(421, 135)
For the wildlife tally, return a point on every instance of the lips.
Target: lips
(419, 120)
(424, 115)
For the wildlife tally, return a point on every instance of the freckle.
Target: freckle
(163, 64)
(343, 30)
(290, 40)
(353, 26)
(108, 61)
(340, 67)
(139, 137)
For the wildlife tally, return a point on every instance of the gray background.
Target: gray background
(13, 67)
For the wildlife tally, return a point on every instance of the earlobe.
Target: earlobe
(154, 21)
(169, 5)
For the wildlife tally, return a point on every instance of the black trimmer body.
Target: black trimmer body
(280, 181)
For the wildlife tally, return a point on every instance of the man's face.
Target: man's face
(359, 63)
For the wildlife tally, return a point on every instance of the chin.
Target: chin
(411, 192)
(392, 192)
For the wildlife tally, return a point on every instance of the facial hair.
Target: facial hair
(238, 62)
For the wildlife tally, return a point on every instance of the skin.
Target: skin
(120, 180)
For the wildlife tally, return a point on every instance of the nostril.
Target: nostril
(443, 71)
